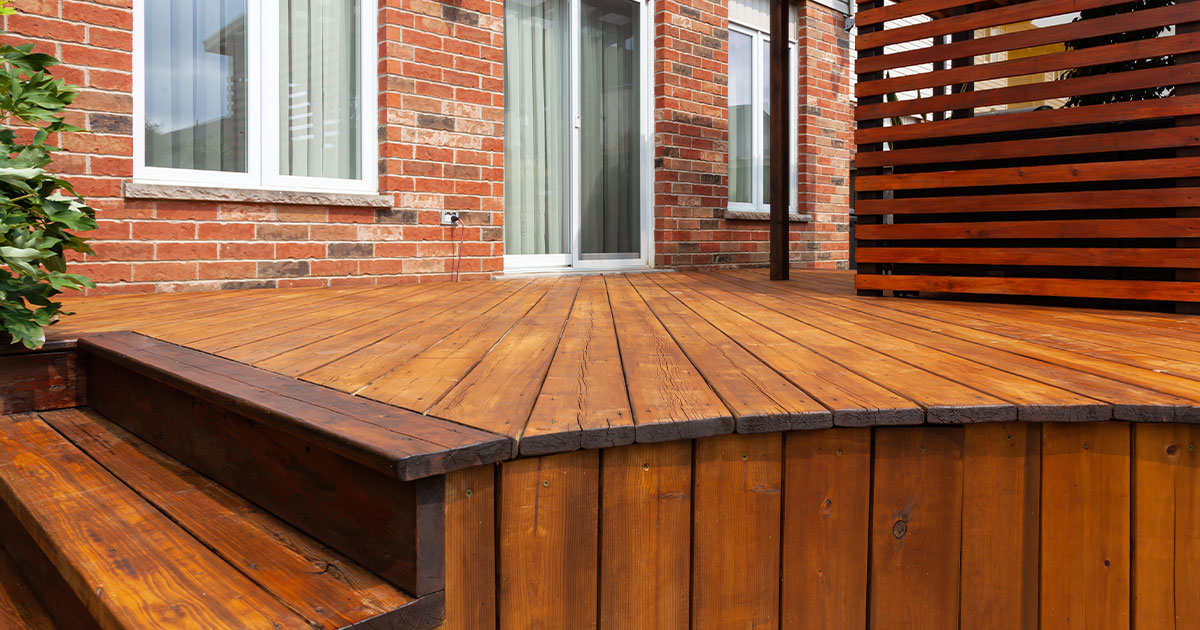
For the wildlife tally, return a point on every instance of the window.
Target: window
(275, 94)
(750, 119)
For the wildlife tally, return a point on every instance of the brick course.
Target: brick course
(441, 117)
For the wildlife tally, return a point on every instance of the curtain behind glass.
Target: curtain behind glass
(536, 116)
(319, 89)
(609, 144)
(195, 54)
(741, 121)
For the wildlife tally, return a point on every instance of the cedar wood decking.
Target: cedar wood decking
(558, 364)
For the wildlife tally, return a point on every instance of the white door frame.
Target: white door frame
(519, 262)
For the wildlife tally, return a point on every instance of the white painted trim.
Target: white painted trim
(529, 262)
(262, 150)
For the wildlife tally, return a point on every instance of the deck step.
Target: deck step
(141, 541)
(360, 476)
(19, 608)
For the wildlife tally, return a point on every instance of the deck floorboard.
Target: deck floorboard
(565, 363)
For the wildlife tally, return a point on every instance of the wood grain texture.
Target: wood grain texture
(1166, 523)
(697, 354)
(39, 380)
(518, 362)
(548, 538)
(670, 398)
(370, 517)
(471, 549)
(1000, 521)
(826, 509)
(19, 607)
(130, 565)
(645, 558)
(736, 529)
(760, 398)
(391, 440)
(1085, 526)
(583, 402)
(916, 528)
(315, 582)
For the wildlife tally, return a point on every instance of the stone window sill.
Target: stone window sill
(749, 215)
(173, 192)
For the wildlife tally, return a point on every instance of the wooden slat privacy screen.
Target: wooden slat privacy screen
(1045, 147)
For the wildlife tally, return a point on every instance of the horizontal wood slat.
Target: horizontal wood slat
(1054, 256)
(1133, 80)
(1083, 200)
(1127, 51)
(909, 8)
(975, 20)
(1057, 173)
(1188, 227)
(1062, 287)
(1027, 39)
(1175, 107)
(1171, 137)
(1056, 160)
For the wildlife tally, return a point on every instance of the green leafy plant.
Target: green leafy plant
(39, 212)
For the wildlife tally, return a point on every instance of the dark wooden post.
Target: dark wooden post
(781, 143)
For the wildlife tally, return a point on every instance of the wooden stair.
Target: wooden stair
(138, 540)
(19, 607)
(144, 485)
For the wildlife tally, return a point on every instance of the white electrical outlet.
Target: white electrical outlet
(448, 218)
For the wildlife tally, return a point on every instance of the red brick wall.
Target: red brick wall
(442, 112)
(442, 147)
(692, 131)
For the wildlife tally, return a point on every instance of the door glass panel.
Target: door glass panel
(196, 84)
(741, 120)
(610, 156)
(537, 135)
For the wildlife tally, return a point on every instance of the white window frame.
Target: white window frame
(759, 40)
(262, 105)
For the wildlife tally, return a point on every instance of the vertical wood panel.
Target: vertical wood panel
(470, 549)
(645, 547)
(1166, 524)
(916, 524)
(1001, 496)
(735, 551)
(826, 508)
(1085, 526)
(548, 541)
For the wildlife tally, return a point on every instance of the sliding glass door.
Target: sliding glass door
(576, 133)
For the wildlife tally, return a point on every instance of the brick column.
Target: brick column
(442, 140)
(691, 128)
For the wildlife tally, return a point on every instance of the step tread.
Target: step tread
(129, 563)
(388, 438)
(313, 580)
(19, 608)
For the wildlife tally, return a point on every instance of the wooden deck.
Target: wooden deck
(559, 364)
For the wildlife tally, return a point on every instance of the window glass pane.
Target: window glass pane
(319, 88)
(196, 84)
(536, 155)
(609, 141)
(741, 96)
(765, 71)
